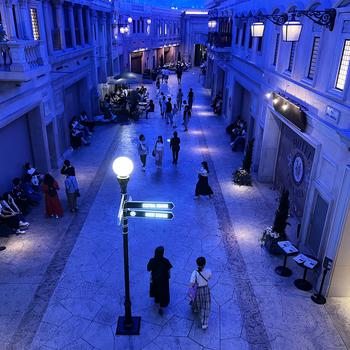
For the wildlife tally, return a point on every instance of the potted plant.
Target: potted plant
(242, 175)
(3, 36)
(277, 232)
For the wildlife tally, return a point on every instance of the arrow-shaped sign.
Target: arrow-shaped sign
(150, 205)
(149, 214)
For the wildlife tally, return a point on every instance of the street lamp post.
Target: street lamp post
(127, 325)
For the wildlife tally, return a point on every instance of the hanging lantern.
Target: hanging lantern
(257, 29)
(291, 31)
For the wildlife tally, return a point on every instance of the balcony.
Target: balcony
(220, 40)
(22, 60)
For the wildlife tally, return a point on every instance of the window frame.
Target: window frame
(346, 44)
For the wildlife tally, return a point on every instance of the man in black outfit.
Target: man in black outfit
(175, 147)
(67, 168)
(190, 98)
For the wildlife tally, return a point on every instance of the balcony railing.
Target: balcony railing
(220, 40)
(18, 58)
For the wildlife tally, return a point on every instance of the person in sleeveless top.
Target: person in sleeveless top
(202, 301)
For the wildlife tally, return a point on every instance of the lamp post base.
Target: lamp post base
(318, 299)
(133, 330)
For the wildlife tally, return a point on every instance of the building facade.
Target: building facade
(146, 37)
(56, 54)
(268, 83)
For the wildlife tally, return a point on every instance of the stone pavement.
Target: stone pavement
(73, 298)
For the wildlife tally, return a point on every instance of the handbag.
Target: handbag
(192, 291)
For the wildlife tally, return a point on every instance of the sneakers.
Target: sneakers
(24, 224)
(20, 231)
(57, 217)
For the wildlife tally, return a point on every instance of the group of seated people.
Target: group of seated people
(16, 204)
(238, 134)
(217, 104)
(132, 102)
(81, 129)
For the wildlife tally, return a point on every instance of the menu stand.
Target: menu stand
(308, 263)
(288, 250)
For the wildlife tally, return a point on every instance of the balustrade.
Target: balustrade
(20, 56)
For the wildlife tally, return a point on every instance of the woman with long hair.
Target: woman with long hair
(160, 274)
(202, 300)
(52, 201)
(202, 187)
(159, 151)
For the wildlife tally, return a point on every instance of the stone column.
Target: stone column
(60, 23)
(72, 24)
(88, 24)
(102, 41)
(81, 26)
(48, 26)
(10, 22)
(25, 20)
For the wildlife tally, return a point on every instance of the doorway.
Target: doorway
(136, 62)
(200, 54)
(317, 224)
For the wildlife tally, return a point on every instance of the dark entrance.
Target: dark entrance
(200, 54)
(136, 62)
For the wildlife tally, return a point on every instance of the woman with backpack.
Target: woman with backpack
(52, 202)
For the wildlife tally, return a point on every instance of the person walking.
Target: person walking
(158, 86)
(175, 116)
(163, 108)
(202, 300)
(168, 112)
(190, 98)
(158, 152)
(67, 167)
(186, 116)
(202, 187)
(179, 73)
(142, 149)
(160, 275)
(52, 201)
(175, 147)
(72, 190)
(160, 101)
(179, 98)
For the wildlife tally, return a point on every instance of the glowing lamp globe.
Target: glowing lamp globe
(291, 31)
(257, 29)
(126, 29)
(123, 167)
(129, 19)
(122, 30)
(149, 21)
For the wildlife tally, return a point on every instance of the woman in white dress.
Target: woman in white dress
(159, 151)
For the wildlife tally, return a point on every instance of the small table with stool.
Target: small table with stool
(288, 250)
(308, 263)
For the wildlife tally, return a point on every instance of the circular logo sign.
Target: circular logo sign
(298, 169)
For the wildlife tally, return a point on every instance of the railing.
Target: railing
(20, 56)
(220, 40)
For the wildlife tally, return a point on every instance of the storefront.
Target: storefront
(136, 62)
(15, 150)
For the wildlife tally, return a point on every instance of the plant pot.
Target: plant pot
(272, 246)
(242, 178)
